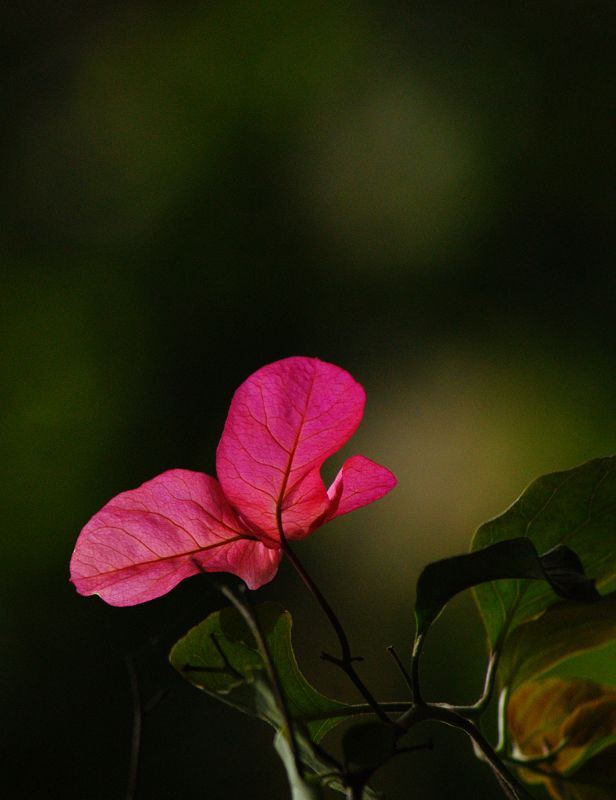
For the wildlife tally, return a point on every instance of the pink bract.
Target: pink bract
(284, 421)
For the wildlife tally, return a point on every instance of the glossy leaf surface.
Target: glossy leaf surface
(577, 508)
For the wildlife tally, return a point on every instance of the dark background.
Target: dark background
(422, 193)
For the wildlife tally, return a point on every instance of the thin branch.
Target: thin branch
(477, 709)
(356, 709)
(135, 749)
(250, 618)
(345, 647)
(255, 628)
(155, 700)
(229, 666)
(226, 669)
(345, 662)
(392, 652)
(429, 745)
(509, 783)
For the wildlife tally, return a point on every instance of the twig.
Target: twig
(255, 628)
(251, 620)
(392, 652)
(476, 709)
(135, 750)
(356, 709)
(440, 713)
(345, 662)
(413, 748)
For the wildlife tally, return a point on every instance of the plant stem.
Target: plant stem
(510, 784)
(255, 628)
(345, 662)
(448, 716)
(357, 709)
(414, 713)
(320, 598)
(477, 709)
(407, 678)
(135, 750)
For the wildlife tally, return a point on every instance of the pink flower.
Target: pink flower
(284, 421)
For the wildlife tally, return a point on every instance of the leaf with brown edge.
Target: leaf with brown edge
(561, 632)
(566, 732)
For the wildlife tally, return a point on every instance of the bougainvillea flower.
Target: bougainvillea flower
(284, 421)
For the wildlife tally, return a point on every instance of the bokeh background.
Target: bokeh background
(421, 192)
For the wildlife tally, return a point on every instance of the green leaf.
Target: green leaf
(302, 787)
(367, 746)
(515, 558)
(220, 656)
(577, 508)
(563, 631)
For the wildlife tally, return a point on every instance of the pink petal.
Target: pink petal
(284, 421)
(359, 482)
(145, 541)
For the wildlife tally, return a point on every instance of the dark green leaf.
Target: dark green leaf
(367, 746)
(514, 558)
(324, 772)
(564, 572)
(220, 656)
(577, 508)
(564, 630)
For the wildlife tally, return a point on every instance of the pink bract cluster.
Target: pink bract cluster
(284, 421)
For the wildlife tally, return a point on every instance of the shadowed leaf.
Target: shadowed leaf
(366, 747)
(515, 558)
(220, 656)
(577, 508)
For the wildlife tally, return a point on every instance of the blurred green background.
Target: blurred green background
(420, 192)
